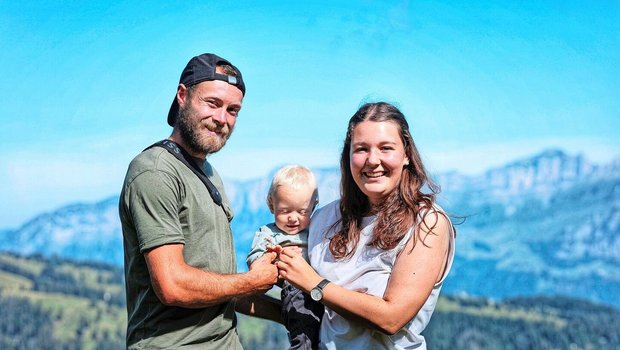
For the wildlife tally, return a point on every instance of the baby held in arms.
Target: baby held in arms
(292, 197)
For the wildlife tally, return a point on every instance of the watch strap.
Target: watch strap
(322, 284)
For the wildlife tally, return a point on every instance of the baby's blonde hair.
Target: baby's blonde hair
(295, 176)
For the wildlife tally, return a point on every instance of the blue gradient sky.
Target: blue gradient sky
(86, 85)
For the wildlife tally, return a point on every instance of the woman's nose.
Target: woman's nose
(373, 158)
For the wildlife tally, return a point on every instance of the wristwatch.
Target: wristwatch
(317, 292)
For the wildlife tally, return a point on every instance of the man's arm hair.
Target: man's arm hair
(178, 284)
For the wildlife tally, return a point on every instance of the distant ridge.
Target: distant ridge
(81, 231)
(541, 175)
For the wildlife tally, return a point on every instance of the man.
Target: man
(180, 268)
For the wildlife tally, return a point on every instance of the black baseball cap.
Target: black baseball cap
(202, 68)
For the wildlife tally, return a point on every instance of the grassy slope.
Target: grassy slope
(76, 319)
(95, 320)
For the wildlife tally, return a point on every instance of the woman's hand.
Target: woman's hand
(295, 269)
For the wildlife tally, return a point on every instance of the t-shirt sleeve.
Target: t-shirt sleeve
(262, 239)
(154, 198)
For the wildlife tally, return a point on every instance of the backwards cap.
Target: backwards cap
(202, 68)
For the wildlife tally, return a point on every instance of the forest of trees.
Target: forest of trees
(59, 304)
(525, 323)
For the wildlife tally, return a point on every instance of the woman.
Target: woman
(380, 253)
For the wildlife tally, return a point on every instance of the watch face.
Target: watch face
(316, 294)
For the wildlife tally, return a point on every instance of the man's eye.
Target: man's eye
(212, 103)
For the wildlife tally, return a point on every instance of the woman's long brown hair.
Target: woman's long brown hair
(398, 212)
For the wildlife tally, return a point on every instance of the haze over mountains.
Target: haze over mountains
(549, 224)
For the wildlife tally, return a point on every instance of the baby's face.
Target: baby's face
(292, 208)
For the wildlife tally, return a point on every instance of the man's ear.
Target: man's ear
(181, 95)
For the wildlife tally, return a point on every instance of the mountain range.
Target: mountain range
(543, 225)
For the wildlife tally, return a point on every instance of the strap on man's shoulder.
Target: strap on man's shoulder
(185, 158)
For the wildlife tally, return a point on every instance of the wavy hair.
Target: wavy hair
(398, 212)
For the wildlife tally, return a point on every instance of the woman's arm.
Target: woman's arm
(413, 277)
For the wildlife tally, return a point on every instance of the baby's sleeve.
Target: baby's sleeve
(262, 239)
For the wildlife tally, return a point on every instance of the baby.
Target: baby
(292, 197)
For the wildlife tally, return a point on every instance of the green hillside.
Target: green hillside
(58, 304)
(527, 323)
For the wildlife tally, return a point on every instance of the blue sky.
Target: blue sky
(87, 85)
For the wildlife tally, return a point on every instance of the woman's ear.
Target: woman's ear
(406, 162)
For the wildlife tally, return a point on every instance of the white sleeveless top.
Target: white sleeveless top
(367, 271)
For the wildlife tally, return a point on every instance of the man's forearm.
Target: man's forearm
(179, 284)
(198, 288)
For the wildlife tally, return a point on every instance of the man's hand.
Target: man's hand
(264, 272)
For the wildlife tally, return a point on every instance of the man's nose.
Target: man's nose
(219, 116)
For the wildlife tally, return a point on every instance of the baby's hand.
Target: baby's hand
(279, 249)
(275, 248)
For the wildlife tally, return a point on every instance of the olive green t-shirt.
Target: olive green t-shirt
(164, 202)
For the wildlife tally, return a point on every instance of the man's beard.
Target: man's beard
(190, 130)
